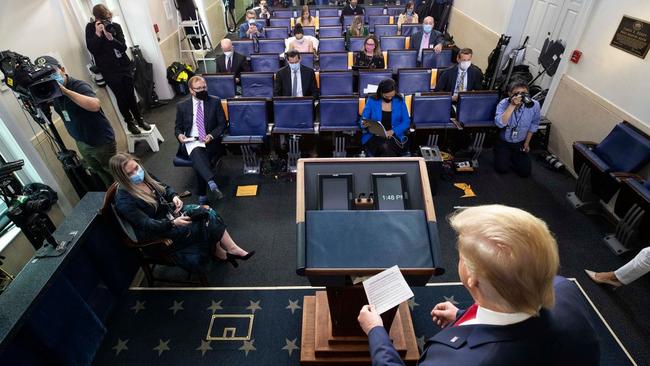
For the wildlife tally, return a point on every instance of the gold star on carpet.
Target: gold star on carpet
(421, 343)
(139, 305)
(204, 347)
(255, 305)
(120, 346)
(162, 346)
(216, 305)
(451, 299)
(291, 345)
(293, 305)
(178, 306)
(248, 346)
(412, 303)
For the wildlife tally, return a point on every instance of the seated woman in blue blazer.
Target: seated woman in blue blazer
(155, 211)
(387, 107)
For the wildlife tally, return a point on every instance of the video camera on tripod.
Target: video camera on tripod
(28, 205)
(32, 81)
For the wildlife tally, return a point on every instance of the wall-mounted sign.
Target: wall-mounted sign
(632, 36)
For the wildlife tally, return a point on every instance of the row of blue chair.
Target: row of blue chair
(334, 12)
(332, 83)
(380, 25)
(326, 44)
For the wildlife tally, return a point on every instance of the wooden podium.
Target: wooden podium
(335, 246)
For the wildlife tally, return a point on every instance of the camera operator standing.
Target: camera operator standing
(105, 40)
(518, 118)
(83, 118)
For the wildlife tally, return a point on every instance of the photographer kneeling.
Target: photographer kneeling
(518, 118)
(155, 211)
(105, 40)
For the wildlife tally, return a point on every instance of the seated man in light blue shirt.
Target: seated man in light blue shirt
(250, 27)
(518, 121)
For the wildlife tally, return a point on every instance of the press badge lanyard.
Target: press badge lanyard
(514, 132)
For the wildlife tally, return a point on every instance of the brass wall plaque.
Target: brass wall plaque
(632, 36)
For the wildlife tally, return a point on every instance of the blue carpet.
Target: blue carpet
(169, 326)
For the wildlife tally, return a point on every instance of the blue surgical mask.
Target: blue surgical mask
(409, 12)
(427, 28)
(295, 67)
(138, 177)
(59, 78)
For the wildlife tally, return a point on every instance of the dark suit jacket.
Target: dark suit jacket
(562, 336)
(215, 119)
(347, 10)
(282, 86)
(239, 63)
(434, 38)
(447, 80)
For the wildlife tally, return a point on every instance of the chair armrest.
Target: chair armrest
(620, 176)
(165, 241)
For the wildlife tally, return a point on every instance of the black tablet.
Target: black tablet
(336, 191)
(391, 191)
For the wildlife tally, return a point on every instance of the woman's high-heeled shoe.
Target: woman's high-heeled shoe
(602, 281)
(240, 257)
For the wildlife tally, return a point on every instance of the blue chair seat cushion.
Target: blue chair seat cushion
(435, 126)
(595, 160)
(354, 127)
(242, 139)
(182, 162)
(373, 239)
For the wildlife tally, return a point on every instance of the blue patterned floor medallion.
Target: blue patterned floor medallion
(247, 327)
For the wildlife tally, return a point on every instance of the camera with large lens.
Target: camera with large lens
(526, 99)
(24, 77)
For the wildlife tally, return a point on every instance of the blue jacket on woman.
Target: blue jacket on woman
(400, 116)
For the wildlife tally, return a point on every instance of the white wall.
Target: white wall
(619, 77)
(493, 14)
(159, 16)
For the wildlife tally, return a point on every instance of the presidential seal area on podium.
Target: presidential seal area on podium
(355, 218)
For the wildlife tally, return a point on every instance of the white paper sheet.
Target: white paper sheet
(387, 289)
(371, 88)
(191, 145)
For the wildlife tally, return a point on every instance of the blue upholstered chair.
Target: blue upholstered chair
(243, 46)
(377, 19)
(410, 81)
(336, 82)
(265, 62)
(477, 108)
(336, 44)
(625, 149)
(293, 116)
(329, 21)
(247, 127)
(392, 43)
(431, 114)
(356, 44)
(328, 12)
(385, 30)
(333, 61)
(257, 84)
(272, 46)
(371, 77)
(374, 10)
(402, 59)
(432, 60)
(283, 14)
(220, 85)
(281, 22)
(408, 29)
(309, 31)
(347, 20)
(395, 10)
(339, 114)
(276, 32)
(330, 31)
(307, 59)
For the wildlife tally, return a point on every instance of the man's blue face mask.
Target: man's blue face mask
(58, 77)
(295, 67)
(138, 176)
(427, 28)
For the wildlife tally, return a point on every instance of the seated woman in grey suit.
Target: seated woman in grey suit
(155, 211)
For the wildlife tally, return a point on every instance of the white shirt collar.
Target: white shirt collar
(490, 317)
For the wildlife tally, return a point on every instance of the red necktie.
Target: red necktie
(469, 315)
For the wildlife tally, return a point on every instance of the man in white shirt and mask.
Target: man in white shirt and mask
(230, 61)
(464, 76)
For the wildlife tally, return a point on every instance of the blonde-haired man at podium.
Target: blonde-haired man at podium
(508, 262)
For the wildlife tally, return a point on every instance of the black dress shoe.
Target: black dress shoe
(240, 257)
(133, 128)
(144, 125)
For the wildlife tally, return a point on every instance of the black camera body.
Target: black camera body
(25, 78)
(526, 99)
(109, 26)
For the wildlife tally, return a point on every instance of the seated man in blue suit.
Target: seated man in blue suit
(250, 28)
(464, 76)
(507, 261)
(201, 120)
